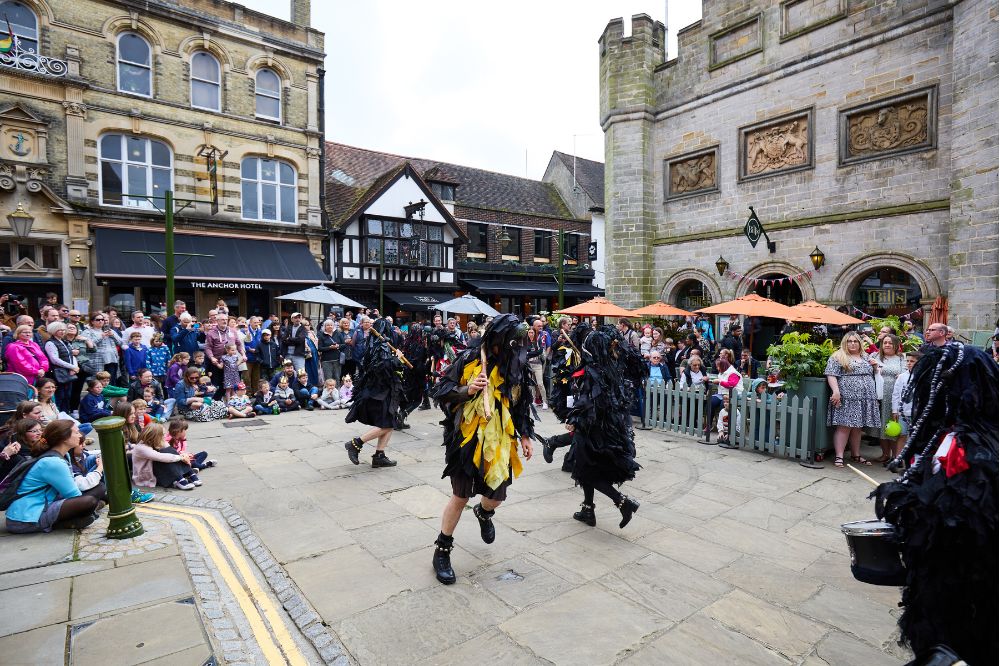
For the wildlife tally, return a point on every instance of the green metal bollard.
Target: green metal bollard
(124, 523)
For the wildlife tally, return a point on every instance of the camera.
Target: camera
(13, 304)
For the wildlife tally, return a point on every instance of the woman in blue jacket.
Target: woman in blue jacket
(47, 495)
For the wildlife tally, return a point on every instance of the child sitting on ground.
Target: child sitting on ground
(113, 394)
(93, 405)
(346, 391)
(88, 469)
(239, 405)
(307, 394)
(330, 396)
(208, 389)
(156, 464)
(130, 433)
(156, 358)
(154, 407)
(285, 396)
(135, 355)
(231, 370)
(177, 437)
(142, 417)
(264, 401)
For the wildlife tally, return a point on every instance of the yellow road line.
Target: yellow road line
(245, 593)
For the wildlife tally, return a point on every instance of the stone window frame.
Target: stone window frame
(218, 83)
(785, 34)
(259, 183)
(844, 114)
(150, 67)
(758, 18)
(808, 112)
(670, 160)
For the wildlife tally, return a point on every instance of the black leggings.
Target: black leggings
(75, 508)
(605, 488)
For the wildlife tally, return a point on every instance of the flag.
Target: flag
(7, 43)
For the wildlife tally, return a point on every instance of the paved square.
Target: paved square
(733, 557)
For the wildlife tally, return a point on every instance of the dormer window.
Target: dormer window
(443, 191)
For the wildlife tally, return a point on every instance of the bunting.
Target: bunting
(864, 315)
(743, 279)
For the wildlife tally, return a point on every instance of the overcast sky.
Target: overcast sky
(497, 86)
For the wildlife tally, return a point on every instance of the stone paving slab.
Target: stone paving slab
(45, 645)
(136, 585)
(134, 638)
(24, 551)
(37, 605)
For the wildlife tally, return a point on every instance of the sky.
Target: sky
(496, 86)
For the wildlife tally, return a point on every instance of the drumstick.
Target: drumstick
(863, 475)
(391, 348)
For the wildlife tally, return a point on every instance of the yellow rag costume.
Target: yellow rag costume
(496, 447)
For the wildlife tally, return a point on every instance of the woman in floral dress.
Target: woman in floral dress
(854, 403)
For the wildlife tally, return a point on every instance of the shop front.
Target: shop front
(248, 275)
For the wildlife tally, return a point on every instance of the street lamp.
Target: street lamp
(721, 265)
(78, 269)
(818, 258)
(502, 236)
(21, 221)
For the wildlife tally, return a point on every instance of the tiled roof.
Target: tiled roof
(589, 176)
(351, 172)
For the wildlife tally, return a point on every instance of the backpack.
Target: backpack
(11, 482)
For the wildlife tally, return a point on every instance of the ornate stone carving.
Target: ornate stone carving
(31, 178)
(75, 109)
(899, 125)
(7, 177)
(693, 173)
(312, 151)
(781, 144)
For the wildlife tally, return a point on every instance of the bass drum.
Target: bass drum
(875, 557)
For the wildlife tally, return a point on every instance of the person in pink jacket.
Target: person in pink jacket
(25, 357)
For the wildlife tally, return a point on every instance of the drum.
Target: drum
(874, 550)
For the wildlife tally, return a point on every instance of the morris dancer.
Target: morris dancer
(603, 446)
(414, 376)
(944, 507)
(565, 361)
(486, 397)
(378, 387)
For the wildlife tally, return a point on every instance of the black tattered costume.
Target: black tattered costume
(378, 390)
(944, 507)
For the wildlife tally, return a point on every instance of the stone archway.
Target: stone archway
(671, 288)
(848, 278)
(782, 268)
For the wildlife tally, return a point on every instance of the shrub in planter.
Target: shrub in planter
(796, 358)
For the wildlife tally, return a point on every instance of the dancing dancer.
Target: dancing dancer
(486, 398)
(416, 351)
(565, 361)
(378, 387)
(944, 507)
(603, 446)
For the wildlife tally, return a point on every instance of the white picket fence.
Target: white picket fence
(781, 427)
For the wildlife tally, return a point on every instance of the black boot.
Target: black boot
(586, 514)
(380, 460)
(627, 506)
(399, 422)
(486, 529)
(442, 559)
(353, 447)
(426, 404)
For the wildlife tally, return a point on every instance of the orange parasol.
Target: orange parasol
(596, 307)
(825, 314)
(753, 305)
(661, 309)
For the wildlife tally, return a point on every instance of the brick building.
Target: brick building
(864, 129)
(109, 103)
(499, 234)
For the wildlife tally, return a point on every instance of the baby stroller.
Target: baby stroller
(13, 389)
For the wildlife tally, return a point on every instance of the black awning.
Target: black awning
(540, 288)
(232, 258)
(414, 301)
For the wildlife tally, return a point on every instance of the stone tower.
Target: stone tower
(627, 101)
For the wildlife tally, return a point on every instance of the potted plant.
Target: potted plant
(910, 342)
(801, 364)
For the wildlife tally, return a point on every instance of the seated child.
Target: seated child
(285, 396)
(88, 469)
(206, 388)
(307, 394)
(156, 464)
(330, 396)
(93, 405)
(177, 437)
(114, 394)
(239, 404)
(759, 388)
(723, 423)
(264, 401)
(346, 391)
(154, 407)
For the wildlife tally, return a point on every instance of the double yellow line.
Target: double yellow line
(266, 622)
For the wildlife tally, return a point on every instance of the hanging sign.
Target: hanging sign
(753, 230)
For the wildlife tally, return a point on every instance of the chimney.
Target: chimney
(300, 13)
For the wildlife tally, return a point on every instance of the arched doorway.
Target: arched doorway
(778, 288)
(692, 295)
(888, 291)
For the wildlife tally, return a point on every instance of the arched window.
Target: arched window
(268, 190)
(693, 295)
(206, 81)
(134, 168)
(23, 23)
(135, 71)
(268, 91)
